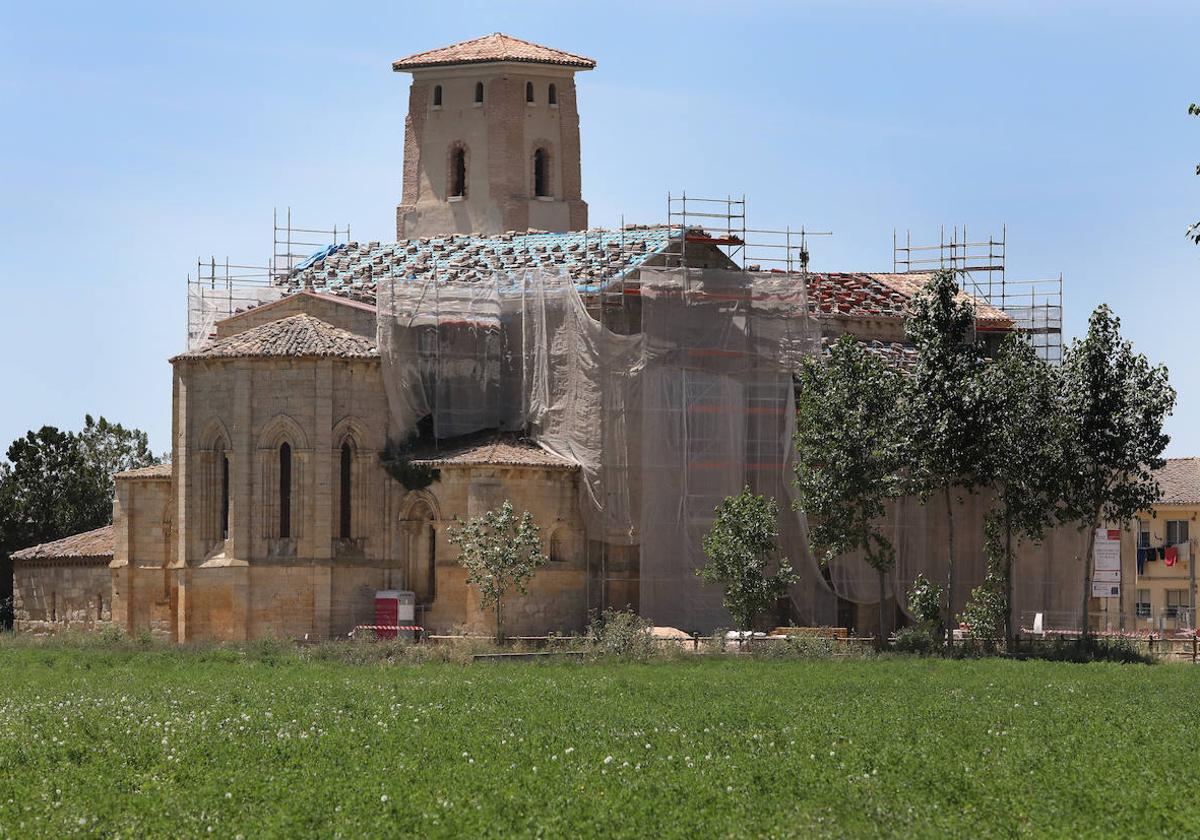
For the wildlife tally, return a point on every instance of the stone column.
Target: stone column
(182, 578)
(239, 546)
(241, 467)
(321, 501)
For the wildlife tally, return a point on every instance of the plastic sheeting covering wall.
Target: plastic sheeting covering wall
(1047, 576)
(664, 424)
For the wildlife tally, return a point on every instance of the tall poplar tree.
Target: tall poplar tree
(849, 453)
(1026, 455)
(947, 405)
(1115, 403)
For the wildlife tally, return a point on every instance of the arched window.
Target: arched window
(285, 491)
(479, 91)
(437, 96)
(344, 513)
(552, 95)
(541, 180)
(458, 172)
(224, 497)
(529, 91)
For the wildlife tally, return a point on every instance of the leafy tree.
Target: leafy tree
(58, 483)
(1115, 403)
(849, 447)
(1026, 451)
(110, 448)
(51, 490)
(947, 406)
(1193, 231)
(741, 545)
(500, 552)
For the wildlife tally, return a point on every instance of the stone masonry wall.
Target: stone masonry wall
(61, 596)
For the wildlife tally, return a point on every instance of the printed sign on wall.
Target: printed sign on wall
(1106, 556)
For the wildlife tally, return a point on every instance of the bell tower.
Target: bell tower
(491, 140)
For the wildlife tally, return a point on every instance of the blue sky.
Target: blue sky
(138, 137)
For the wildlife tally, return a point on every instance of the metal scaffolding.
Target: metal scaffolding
(1035, 306)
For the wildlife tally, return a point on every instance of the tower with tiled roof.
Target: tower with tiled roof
(491, 141)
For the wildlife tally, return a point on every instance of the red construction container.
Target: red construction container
(394, 609)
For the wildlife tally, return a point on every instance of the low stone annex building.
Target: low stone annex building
(275, 516)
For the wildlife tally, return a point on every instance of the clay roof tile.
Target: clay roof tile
(492, 48)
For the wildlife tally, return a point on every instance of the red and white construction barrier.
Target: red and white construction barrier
(388, 631)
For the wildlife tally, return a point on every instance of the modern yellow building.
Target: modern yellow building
(1160, 558)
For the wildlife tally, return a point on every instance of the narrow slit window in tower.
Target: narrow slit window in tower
(458, 173)
(285, 491)
(345, 511)
(540, 185)
(224, 497)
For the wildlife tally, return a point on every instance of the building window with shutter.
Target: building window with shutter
(1177, 531)
(1143, 603)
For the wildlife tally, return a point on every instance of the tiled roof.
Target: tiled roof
(589, 258)
(490, 48)
(911, 284)
(880, 294)
(1179, 481)
(296, 336)
(153, 471)
(97, 544)
(491, 449)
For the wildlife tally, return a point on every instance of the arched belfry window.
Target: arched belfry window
(479, 91)
(529, 91)
(458, 172)
(541, 175)
(345, 477)
(552, 95)
(437, 96)
(285, 490)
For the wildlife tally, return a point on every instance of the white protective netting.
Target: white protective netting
(664, 425)
(215, 300)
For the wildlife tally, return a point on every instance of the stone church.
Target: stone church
(275, 516)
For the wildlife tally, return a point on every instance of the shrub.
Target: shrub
(396, 460)
(987, 609)
(925, 601)
(792, 647)
(1092, 649)
(111, 634)
(918, 640)
(268, 650)
(621, 633)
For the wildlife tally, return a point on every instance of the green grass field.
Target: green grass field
(163, 744)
